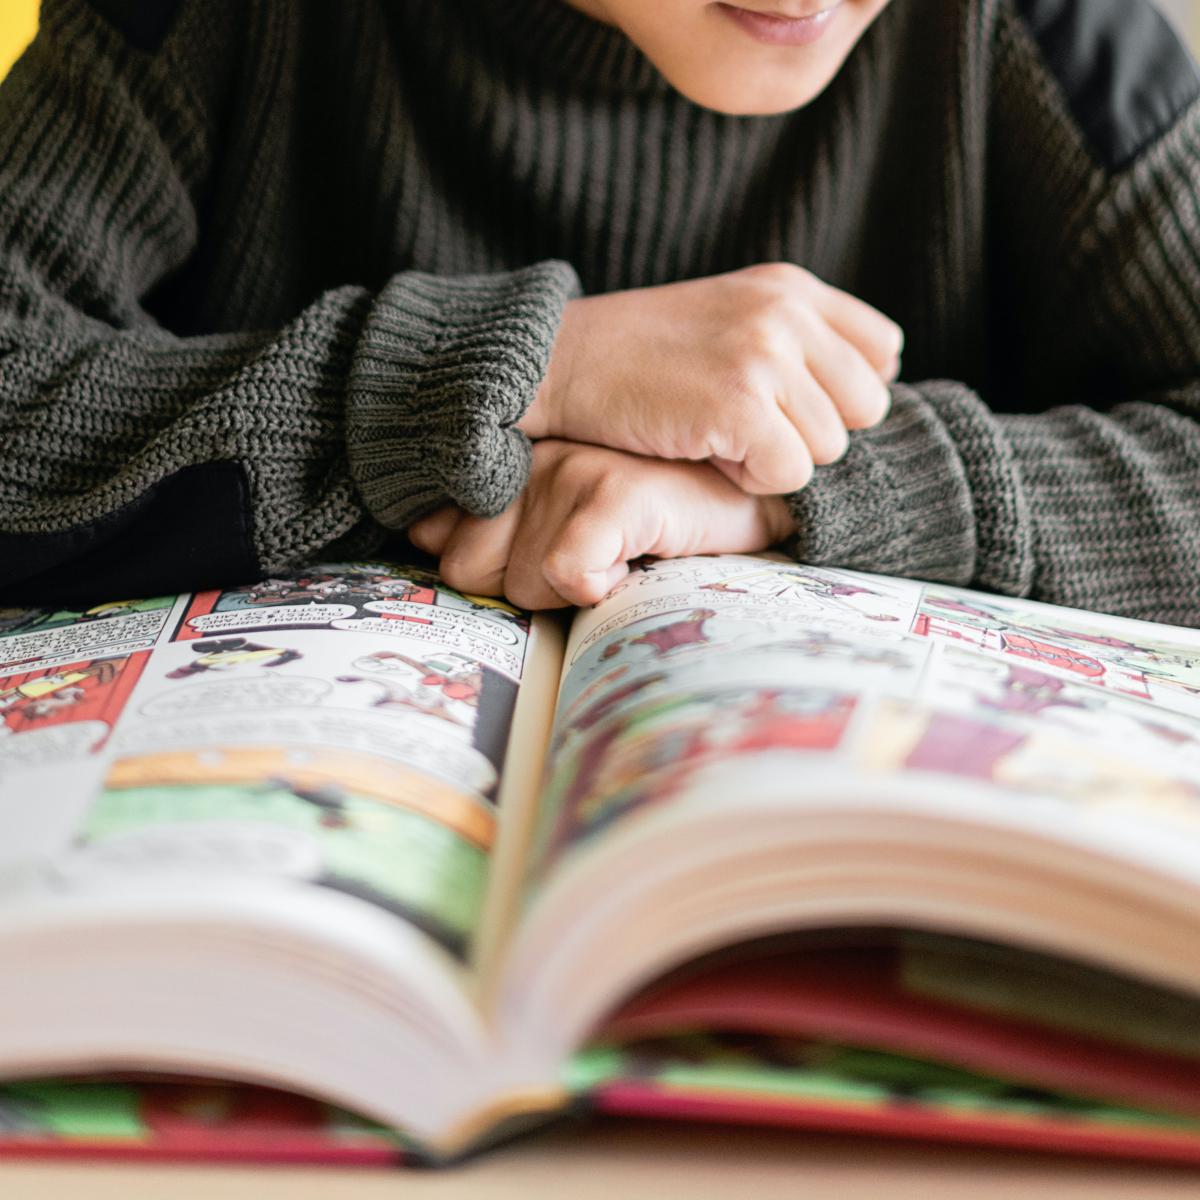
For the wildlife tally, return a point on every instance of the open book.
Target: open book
(746, 840)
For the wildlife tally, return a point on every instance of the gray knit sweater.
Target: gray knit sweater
(278, 276)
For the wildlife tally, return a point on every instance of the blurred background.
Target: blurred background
(18, 22)
(1186, 14)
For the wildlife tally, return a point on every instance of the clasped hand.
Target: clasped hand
(672, 420)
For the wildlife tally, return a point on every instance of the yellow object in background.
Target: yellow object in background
(18, 24)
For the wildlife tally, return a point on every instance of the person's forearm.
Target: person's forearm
(131, 452)
(1096, 510)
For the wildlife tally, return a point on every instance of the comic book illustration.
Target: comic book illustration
(1004, 690)
(696, 663)
(51, 638)
(690, 666)
(638, 756)
(48, 714)
(409, 603)
(66, 676)
(1051, 704)
(1123, 656)
(344, 726)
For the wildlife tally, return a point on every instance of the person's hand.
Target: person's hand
(584, 514)
(761, 371)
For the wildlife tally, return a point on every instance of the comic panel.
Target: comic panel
(1026, 758)
(742, 608)
(378, 598)
(766, 589)
(58, 637)
(653, 749)
(65, 676)
(50, 714)
(1125, 657)
(692, 663)
(353, 739)
(1008, 690)
(415, 649)
(415, 850)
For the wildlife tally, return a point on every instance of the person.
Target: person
(552, 284)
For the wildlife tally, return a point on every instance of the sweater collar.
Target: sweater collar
(572, 45)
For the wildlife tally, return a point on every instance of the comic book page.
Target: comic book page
(65, 679)
(345, 726)
(704, 675)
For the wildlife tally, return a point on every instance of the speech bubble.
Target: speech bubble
(288, 615)
(507, 662)
(284, 691)
(85, 639)
(53, 743)
(494, 629)
(197, 848)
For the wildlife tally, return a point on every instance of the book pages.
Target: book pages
(343, 726)
(699, 664)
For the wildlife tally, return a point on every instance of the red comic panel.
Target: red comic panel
(89, 690)
(1097, 660)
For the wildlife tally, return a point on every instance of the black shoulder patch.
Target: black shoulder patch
(1125, 73)
(144, 23)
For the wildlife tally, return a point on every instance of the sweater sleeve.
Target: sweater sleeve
(137, 459)
(1076, 480)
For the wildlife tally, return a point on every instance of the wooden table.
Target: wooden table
(620, 1161)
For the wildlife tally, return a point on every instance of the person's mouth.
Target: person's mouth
(782, 28)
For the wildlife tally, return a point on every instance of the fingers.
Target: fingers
(576, 558)
(809, 408)
(431, 533)
(587, 511)
(876, 337)
(591, 518)
(560, 543)
(856, 394)
(778, 464)
(475, 556)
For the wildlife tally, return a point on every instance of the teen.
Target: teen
(276, 278)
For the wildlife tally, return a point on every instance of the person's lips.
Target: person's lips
(776, 29)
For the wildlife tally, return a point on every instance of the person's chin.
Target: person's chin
(760, 98)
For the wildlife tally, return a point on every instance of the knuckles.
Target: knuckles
(801, 476)
(463, 573)
(866, 407)
(829, 447)
(571, 581)
(892, 337)
(777, 276)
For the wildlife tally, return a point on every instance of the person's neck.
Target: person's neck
(591, 8)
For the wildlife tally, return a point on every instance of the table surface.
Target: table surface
(621, 1161)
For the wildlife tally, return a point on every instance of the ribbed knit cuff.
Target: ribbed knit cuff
(898, 503)
(444, 368)
(1004, 558)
